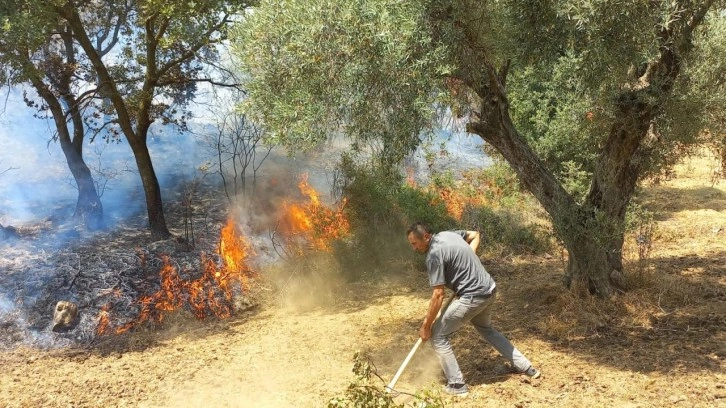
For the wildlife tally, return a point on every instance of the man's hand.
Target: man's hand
(472, 238)
(424, 332)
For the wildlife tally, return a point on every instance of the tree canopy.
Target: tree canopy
(127, 65)
(583, 98)
(364, 68)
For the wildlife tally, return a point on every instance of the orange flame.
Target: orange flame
(410, 176)
(212, 293)
(454, 202)
(313, 221)
(471, 191)
(103, 321)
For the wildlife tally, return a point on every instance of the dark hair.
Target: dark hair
(418, 229)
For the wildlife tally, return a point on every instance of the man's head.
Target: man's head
(419, 236)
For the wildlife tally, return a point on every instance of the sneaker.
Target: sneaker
(458, 390)
(532, 372)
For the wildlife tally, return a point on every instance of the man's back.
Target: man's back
(452, 262)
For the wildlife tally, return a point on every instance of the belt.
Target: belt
(488, 295)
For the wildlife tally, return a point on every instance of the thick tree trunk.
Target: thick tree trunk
(596, 256)
(88, 206)
(591, 258)
(135, 137)
(152, 190)
(592, 232)
(588, 268)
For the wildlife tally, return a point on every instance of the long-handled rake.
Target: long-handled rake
(390, 385)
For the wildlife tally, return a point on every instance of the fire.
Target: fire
(469, 192)
(410, 177)
(308, 190)
(233, 248)
(211, 293)
(454, 202)
(103, 321)
(312, 221)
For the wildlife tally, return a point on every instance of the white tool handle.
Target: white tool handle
(390, 385)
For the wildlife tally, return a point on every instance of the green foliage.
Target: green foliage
(371, 69)
(607, 89)
(503, 230)
(379, 209)
(562, 100)
(365, 393)
(442, 179)
(500, 180)
(366, 68)
(575, 180)
(555, 112)
(414, 204)
(24, 26)
(700, 101)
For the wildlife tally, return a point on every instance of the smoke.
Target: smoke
(38, 183)
(36, 186)
(40, 186)
(453, 151)
(5, 305)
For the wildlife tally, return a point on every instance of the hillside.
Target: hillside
(661, 344)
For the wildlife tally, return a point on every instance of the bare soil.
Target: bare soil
(661, 344)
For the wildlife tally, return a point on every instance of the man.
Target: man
(452, 262)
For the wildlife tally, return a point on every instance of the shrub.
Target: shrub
(380, 206)
(366, 392)
(505, 231)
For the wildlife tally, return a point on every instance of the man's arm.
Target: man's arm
(437, 298)
(472, 238)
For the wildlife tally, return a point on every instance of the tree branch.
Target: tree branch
(107, 85)
(98, 130)
(697, 18)
(8, 169)
(196, 47)
(207, 80)
(116, 29)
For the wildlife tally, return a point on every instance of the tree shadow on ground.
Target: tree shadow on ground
(667, 201)
(684, 326)
(684, 332)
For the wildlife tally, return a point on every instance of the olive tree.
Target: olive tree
(167, 48)
(36, 48)
(611, 89)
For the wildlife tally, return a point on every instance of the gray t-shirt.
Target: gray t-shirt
(452, 262)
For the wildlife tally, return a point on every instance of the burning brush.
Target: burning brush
(211, 293)
(311, 222)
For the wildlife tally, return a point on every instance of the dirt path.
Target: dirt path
(273, 356)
